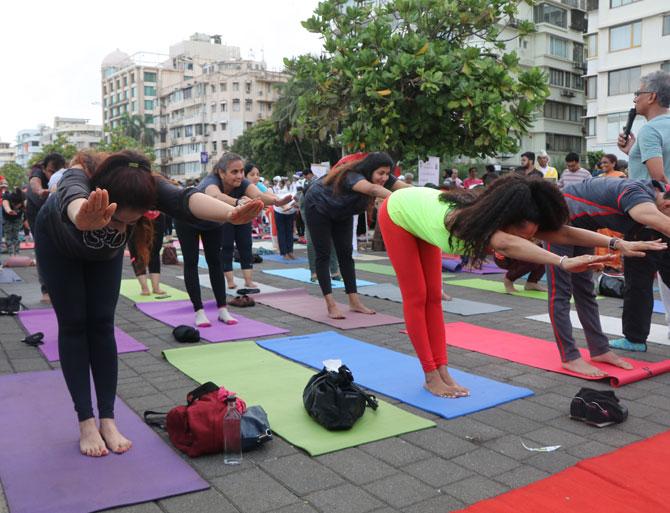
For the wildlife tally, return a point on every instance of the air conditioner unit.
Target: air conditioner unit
(567, 93)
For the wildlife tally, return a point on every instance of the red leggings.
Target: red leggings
(418, 266)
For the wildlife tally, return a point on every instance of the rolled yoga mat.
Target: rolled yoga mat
(612, 326)
(130, 288)
(303, 275)
(176, 313)
(42, 470)
(455, 306)
(204, 282)
(630, 479)
(9, 276)
(44, 320)
(453, 266)
(262, 377)
(299, 302)
(542, 354)
(394, 374)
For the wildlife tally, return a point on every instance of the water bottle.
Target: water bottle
(232, 444)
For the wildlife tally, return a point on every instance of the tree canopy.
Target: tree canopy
(60, 145)
(14, 174)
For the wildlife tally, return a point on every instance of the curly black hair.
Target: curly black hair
(508, 201)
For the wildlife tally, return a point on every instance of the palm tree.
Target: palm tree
(135, 127)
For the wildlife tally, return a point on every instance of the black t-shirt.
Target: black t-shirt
(215, 179)
(35, 202)
(17, 207)
(341, 204)
(604, 202)
(106, 243)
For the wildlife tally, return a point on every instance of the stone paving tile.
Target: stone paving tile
(243, 489)
(400, 491)
(552, 462)
(207, 501)
(521, 476)
(589, 449)
(301, 474)
(30, 364)
(347, 498)
(443, 443)
(470, 429)
(303, 507)
(356, 465)
(506, 421)
(440, 504)
(474, 489)
(146, 507)
(395, 451)
(437, 472)
(553, 436)
(532, 410)
(486, 462)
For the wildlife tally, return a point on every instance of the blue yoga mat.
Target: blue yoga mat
(658, 306)
(280, 259)
(394, 374)
(202, 262)
(303, 275)
(9, 276)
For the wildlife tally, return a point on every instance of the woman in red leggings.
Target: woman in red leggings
(418, 223)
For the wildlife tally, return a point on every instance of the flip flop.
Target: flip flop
(245, 292)
(34, 340)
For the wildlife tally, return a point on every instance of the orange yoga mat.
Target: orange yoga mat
(542, 354)
(629, 480)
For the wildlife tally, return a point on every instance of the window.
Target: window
(577, 82)
(213, 127)
(247, 105)
(666, 25)
(148, 105)
(591, 88)
(118, 84)
(224, 144)
(591, 45)
(214, 146)
(578, 53)
(563, 111)
(188, 131)
(236, 105)
(590, 124)
(559, 47)
(236, 86)
(198, 129)
(224, 126)
(665, 66)
(616, 122)
(213, 88)
(125, 81)
(148, 119)
(619, 3)
(133, 106)
(212, 107)
(224, 107)
(564, 143)
(623, 81)
(625, 36)
(546, 13)
(223, 86)
(556, 77)
(247, 87)
(149, 91)
(578, 20)
(132, 92)
(187, 93)
(132, 78)
(149, 76)
(248, 124)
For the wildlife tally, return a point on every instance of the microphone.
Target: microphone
(629, 124)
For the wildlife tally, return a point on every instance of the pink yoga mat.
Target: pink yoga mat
(175, 313)
(44, 320)
(41, 467)
(541, 354)
(299, 302)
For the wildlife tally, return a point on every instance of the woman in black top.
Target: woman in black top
(226, 183)
(81, 232)
(12, 216)
(330, 204)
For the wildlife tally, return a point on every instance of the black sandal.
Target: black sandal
(34, 340)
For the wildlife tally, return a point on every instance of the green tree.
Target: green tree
(117, 140)
(594, 157)
(60, 145)
(16, 175)
(419, 77)
(135, 127)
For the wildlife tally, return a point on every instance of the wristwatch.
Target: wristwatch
(612, 244)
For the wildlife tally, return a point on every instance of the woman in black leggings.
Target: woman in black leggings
(226, 183)
(330, 204)
(154, 265)
(81, 231)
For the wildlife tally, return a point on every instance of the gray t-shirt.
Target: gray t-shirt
(597, 203)
(653, 140)
(106, 243)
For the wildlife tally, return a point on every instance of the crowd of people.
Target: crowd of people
(83, 215)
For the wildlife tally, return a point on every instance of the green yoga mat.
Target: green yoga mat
(497, 286)
(130, 288)
(375, 268)
(261, 377)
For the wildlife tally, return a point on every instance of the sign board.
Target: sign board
(320, 169)
(429, 171)
(204, 157)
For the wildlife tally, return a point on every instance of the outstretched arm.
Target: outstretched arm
(371, 189)
(207, 208)
(647, 214)
(268, 198)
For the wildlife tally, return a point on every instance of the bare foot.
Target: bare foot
(581, 367)
(446, 297)
(534, 286)
(437, 387)
(443, 372)
(90, 441)
(250, 285)
(313, 278)
(334, 312)
(361, 308)
(509, 286)
(231, 286)
(114, 440)
(145, 293)
(613, 359)
(159, 292)
(291, 256)
(286, 257)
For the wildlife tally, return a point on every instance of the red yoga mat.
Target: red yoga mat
(632, 479)
(540, 353)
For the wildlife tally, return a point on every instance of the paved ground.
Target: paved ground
(456, 464)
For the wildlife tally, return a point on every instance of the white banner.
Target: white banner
(429, 171)
(320, 169)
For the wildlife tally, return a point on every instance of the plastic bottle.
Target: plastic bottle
(232, 445)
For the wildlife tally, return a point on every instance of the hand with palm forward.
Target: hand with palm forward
(243, 214)
(95, 212)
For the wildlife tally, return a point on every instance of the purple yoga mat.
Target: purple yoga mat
(44, 320)
(42, 470)
(299, 302)
(175, 313)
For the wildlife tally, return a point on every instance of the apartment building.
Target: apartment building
(204, 95)
(7, 153)
(28, 143)
(76, 131)
(626, 40)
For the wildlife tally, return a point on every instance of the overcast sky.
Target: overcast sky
(53, 50)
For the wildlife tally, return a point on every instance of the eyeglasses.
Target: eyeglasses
(638, 93)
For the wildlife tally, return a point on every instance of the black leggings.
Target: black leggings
(238, 235)
(322, 228)
(31, 217)
(139, 267)
(212, 240)
(84, 295)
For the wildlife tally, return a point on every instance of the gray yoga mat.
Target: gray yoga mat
(455, 306)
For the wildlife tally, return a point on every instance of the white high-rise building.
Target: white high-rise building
(626, 40)
(76, 131)
(28, 143)
(7, 153)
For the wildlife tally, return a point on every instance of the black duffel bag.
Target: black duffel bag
(598, 408)
(610, 286)
(334, 400)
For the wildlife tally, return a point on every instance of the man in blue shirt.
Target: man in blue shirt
(649, 158)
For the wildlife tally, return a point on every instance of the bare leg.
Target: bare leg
(113, 438)
(581, 367)
(155, 283)
(333, 310)
(613, 359)
(230, 280)
(534, 286)
(436, 386)
(446, 297)
(509, 286)
(355, 304)
(142, 278)
(248, 278)
(90, 441)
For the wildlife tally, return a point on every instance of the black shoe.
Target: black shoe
(34, 340)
